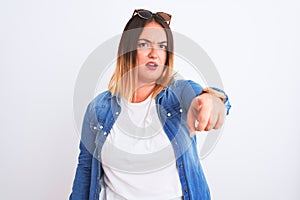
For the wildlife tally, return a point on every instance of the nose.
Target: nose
(153, 52)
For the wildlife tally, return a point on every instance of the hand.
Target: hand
(208, 110)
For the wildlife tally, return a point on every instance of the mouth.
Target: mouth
(152, 65)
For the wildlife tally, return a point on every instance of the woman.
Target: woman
(138, 137)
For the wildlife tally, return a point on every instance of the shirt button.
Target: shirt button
(180, 110)
(117, 113)
(101, 127)
(95, 127)
(169, 114)
(104, 133)
(175, 143)
(185, 190)
(181, 166)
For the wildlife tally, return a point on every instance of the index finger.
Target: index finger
(191, 119)
(203, 117)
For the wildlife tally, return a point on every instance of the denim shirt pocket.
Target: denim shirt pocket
(171, 116)
(172, 111)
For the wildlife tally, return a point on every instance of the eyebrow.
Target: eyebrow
(151, 42)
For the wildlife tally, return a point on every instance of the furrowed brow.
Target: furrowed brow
(146, 40)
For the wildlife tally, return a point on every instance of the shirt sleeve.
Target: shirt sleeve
(189, 89)
(81, 184)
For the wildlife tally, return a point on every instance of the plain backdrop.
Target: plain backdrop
(255, 46)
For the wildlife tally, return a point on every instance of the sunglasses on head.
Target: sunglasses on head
(146, 14)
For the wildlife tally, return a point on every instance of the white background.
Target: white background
(254, 44)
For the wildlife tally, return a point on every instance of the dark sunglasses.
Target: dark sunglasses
(146, 14)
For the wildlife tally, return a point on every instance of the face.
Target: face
(151, 53)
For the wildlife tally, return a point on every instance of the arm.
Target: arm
(81, 184)
(208, 107)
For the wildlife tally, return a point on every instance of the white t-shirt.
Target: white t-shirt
(137, 157)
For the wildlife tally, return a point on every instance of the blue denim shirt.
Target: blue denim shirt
(172, 106)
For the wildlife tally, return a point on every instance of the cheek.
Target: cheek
(140, 57)
(163, 57)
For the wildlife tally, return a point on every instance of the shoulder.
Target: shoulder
(102, 97)
(100, 101)
(99, 106)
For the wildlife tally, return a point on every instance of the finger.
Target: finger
(192, 115)
(212, 121)
(220, 121)
(203, 117)
(191, 122)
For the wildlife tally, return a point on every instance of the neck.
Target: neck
(142, 92)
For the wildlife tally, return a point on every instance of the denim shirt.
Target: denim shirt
(172, 105)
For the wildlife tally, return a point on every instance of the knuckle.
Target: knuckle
(217, 126)
(208, 128)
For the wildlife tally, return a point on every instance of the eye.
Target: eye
(143, 45)
(163, 46)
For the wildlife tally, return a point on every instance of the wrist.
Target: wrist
(214, 93)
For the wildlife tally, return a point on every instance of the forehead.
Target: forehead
(153, 32)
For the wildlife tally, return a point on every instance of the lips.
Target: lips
(152, 65)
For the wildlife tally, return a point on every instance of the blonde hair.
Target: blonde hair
(124, 79)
